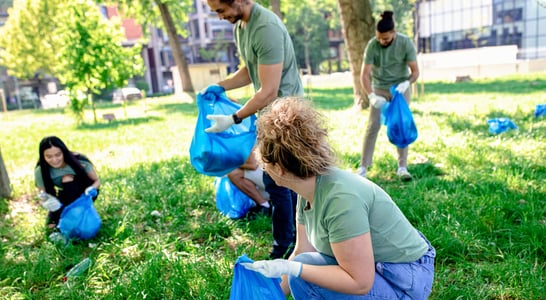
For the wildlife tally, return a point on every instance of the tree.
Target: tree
(93, 56)
(150, 12)
(358, 27)
(5, 190)
(307, 27)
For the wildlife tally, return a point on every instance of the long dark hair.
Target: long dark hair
(72, 159)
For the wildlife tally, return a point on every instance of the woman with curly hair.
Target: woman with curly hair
(353, 242)
(63, 174)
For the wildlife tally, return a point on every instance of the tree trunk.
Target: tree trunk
(176, 48)
(358, 28)
(5, 190)
(276, 7)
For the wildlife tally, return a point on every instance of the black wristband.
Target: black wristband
(236, 119)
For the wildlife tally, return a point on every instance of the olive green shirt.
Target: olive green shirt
(58, 173)
(265, 41)
(346, 205)
(390, 65)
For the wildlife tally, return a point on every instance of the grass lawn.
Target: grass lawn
(479, 198)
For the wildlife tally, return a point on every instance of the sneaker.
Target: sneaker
(361, 171)
(403, 174)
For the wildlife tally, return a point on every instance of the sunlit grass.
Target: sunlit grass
(479, 198)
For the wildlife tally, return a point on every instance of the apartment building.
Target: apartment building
(444, 25)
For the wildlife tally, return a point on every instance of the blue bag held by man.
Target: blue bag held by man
(248, 284)
(401, 129)
(217, 154)
(80, 219)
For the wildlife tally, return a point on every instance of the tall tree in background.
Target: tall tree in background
(5, 189)
(170, 15)
(92, 56)
(358, 28)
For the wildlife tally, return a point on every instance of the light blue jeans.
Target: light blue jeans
(392, 280)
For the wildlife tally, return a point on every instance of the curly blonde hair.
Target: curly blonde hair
(292, 134)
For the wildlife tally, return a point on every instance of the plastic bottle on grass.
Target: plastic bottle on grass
(78, 269)
(49, 202)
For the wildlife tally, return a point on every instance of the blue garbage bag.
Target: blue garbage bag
(80, 219)
(500, 125)
(230, 201)
(248, 284)
(396, 115)
(540, 110)
(217, 154)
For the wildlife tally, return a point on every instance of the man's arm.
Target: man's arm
(270, 79)
(414, 69)
(239, 79)
(365, 78)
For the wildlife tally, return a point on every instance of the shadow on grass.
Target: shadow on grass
(118, 123)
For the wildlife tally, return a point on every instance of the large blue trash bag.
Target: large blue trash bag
(248, 284)
(216, 154)
(80, 219)
(540, 110)
(396, 115)
(500, 125)
(230, 201)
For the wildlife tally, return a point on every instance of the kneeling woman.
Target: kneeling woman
(63, 174)
(353, 242)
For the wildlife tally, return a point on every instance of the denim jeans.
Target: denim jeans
(283, 215)
(392, 280)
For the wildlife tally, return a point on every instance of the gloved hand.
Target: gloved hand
(275, 268)
(91, 191)
(377, 101)
(213, 88)
(403, 86)
(222, 122)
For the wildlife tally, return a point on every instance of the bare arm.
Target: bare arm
(365, 78)
(96, 181)
(414, 69)
(239, 79)
(355, 272)
(270, 79)
(302, 245)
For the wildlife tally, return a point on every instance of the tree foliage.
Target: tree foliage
(171, 16)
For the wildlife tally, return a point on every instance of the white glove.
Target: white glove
(403, 86)
(222, 122)
(376, 101)
(275, 268)
(91, 191)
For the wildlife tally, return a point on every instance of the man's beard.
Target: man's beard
(387, 45)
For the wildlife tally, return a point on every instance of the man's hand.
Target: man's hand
(275, 268)
(376, 101)
(213, 88)
(91, 191)
(222, 122)
(403, 86)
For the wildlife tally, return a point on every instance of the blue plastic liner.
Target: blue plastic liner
(500, 125)
(248, 284)
(396, 115)
(217, 154)
(80, 219)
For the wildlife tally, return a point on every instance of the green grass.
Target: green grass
(479, 198)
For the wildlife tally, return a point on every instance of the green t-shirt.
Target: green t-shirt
(265, 41)
(390, 65)
(346, 205)
(58, 173)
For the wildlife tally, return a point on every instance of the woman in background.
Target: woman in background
(64, 175)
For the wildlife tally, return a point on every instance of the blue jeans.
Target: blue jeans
(392, 280)
(283, 215)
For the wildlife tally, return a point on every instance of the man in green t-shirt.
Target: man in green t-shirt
(266, 49)
(389, 59)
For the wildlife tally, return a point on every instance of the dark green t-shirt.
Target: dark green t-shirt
(390, 65)
(265, 41)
